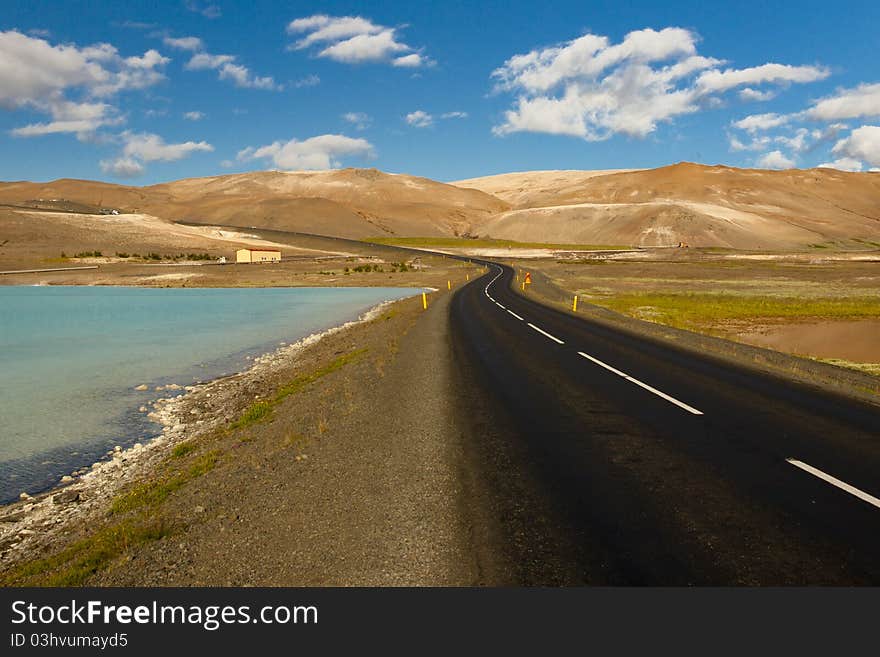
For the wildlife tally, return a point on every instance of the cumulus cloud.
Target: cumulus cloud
(194, 116)
(749, 94)
(454, 115)
(354, 40)
(850, 153)
(37, 75)
(184, 43)
(228, 68)
(860, 102)
(122, 167)
(419, 119)
(775, 160)
(359, 120)
(862, 144)
(413, 60)
(757, 122)
(759, 143)
(321, 152)
(147, 147)
(716, 80)
(33, 72)
(592, 89)
(843, 164)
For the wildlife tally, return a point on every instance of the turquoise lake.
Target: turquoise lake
(71, 357)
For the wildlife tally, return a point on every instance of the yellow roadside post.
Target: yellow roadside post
(574, 304)
(424, 301)
(467, 277)
(523, 286)
(448, 285)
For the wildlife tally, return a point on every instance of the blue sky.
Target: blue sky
(142, 92)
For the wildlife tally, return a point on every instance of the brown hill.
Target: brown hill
(696, 204)
(344, 203)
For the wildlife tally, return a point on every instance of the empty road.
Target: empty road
(601, 457)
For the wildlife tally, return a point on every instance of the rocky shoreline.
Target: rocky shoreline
(31, 526)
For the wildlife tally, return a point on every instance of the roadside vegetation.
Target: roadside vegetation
(697, 310)
(152, 256)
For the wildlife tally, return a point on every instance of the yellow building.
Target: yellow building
(257, 255)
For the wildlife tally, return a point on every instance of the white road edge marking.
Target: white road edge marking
(834, 481)
(514, 314)
(500, 306)
(663, 395)
(543, 332)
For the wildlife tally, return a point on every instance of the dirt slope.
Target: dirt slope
(343, 203)
(700, 205)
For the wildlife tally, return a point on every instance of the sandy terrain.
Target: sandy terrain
(854, 341)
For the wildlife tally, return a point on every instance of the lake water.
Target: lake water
(70, 358)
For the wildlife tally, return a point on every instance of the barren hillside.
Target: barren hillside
(696, 204)
(347, 202)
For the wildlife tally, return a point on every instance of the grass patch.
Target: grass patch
(73, 565)
(867, 368)
(154, 493)
(256, 412)
(304, 380)
(182, 449)
(689, 310)
(474, 243)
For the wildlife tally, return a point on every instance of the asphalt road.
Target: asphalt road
(602, 457)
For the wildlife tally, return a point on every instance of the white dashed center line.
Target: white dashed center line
(544, 333)
(834, 481)
(663, 395)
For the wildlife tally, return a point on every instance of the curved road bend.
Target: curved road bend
(600, 457)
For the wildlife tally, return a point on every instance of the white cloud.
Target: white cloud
(184, 43)
(413, 60)
(842, 164)
(861, 102)
(359, 120)
(204, 61)
(228, 69)
(757, 122)
(122, 167)
(775, 160)
(749, 94)
(862, 144)
(147, 147)
(307, 81)
(419, 119)
(593, 89)
(454, 115)
(759, 143)
(35, 73)
(321, 152)
(194, 116)
(354, 40)
(798, 142)
(206, 9)
(715, 80)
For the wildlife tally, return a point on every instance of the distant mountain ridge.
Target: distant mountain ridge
(697, 204)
